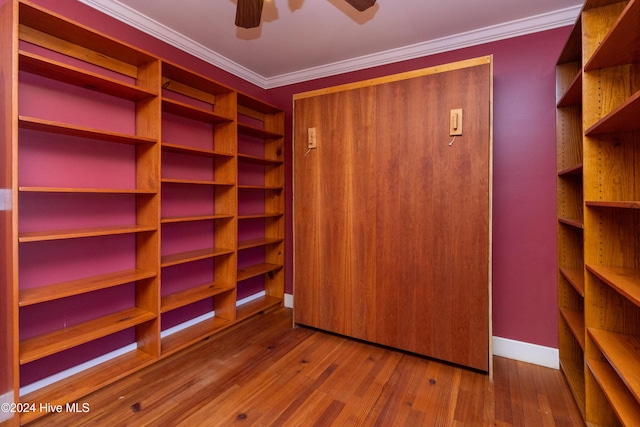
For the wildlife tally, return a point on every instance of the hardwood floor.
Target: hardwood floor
(263, 373)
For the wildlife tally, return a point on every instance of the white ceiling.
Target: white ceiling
(304, 39)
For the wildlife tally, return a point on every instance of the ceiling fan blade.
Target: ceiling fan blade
(361, 5)
(249, 13)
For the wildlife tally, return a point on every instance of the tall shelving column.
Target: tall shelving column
(83, 113)
(261, 206)
(609, 80)
(611, 62)
(9, 379)
(199, 202)
(570, 214)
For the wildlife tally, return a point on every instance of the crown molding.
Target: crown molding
(123, 13)
(520, 27)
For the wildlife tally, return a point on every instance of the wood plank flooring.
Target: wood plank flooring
(264, 373)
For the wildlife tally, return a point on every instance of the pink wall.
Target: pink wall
(524, 224)
(524, 251)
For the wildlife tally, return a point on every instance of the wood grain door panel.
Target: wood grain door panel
(391, 219)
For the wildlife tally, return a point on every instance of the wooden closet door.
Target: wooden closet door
(335, 205)
(392, 230)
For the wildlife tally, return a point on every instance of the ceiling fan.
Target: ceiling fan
(249, 12)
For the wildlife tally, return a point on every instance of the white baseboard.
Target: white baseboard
(526, 352)
(29, 388)
(517, 350)
(112, 355)
(288, 300)
(503, 347)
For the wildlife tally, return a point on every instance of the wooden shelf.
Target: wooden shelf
(260, 187)
(169, 220)
(59, 71)
(81, 384)
(622, 118)
(83, 190)
(49, 126)
(195, 182)
(575, 276)
(195, 255)
(624, 280)
(261, 216)
(611, 204)
(573, 222)
(198, 293)
(257, 305)
(575, 321)
(179, 340)
(574, 171)
(81, 286)
(254, 243)
(256, 270)
(573, 95)
(255, 104)
(40, 236)
(622, 44)
(194, 151)
(258, 160)
(255, 132)
(173, 73)
(57, 341)
(192, 112)
(624, 405)
(622, 352)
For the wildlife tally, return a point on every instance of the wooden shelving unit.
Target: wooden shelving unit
(54, 213)
(570, 215)
(598, 158)
(198, 199)
(120, 206)
(261, 188)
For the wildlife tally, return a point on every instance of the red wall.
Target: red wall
(524, 249)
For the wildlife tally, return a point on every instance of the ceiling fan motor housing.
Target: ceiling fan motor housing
(361, 5)
(249, 13)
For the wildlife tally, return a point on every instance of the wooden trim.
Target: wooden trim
(397, 77)
(490, 221)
